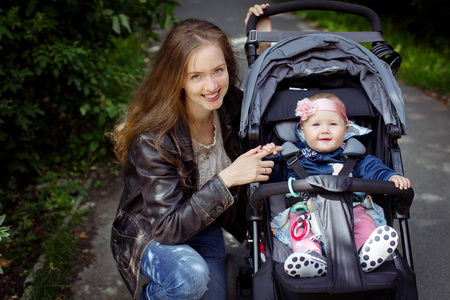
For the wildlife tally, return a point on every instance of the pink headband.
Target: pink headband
(306, 108)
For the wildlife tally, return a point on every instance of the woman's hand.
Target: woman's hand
(247, 168)
(400, 182)
(263, 25)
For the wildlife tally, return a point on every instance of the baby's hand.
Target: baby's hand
(271, 148)
(400, 182)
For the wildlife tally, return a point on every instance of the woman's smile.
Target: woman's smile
(212, 97)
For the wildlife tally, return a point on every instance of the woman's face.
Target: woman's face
(206, 81)
(324, 131)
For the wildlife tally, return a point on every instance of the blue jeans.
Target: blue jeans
(193, 270)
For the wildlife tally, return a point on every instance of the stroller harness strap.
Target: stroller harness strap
(335, 220)
(290, 155)
(297, 166)
(353, 152)
(334, 213)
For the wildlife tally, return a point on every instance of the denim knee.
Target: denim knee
(175, 272)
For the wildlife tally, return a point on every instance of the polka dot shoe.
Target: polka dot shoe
(305, 264)
(379, 246)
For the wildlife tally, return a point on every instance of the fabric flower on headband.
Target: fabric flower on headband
(305, 109)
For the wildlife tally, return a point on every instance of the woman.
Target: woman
(184, 168)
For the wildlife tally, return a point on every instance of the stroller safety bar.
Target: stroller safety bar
(313, 184)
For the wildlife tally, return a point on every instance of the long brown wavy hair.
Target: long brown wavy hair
(158, 104)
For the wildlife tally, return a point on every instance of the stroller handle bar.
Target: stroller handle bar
(350, 8)
(402, 205)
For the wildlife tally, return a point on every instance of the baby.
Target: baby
(324, 124)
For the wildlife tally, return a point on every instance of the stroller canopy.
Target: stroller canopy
(320, 53)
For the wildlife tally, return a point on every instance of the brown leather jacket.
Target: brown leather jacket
(155, 205)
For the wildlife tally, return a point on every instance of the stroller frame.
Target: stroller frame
(400, 201)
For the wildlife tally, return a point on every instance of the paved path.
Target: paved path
(426, 159)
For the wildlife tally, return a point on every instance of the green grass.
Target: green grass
(425, 60)
(37, 228)
(61, 249)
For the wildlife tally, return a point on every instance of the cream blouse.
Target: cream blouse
(211, 159)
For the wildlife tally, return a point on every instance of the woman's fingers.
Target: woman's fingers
(247, 168)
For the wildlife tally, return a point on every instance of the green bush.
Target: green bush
(3, 234)
(426, 19)
(67, 71)
(42, 222)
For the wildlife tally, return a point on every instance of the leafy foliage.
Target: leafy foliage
(43, 220)
(426, 19)
(3, 234)
(67, 71)
(41, 207)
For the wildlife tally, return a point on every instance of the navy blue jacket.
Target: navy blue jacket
(369, 167)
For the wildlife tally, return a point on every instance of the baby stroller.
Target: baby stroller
(299, 65)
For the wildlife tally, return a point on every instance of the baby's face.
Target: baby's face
(324, 131)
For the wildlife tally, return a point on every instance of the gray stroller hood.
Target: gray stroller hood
(320, 53)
